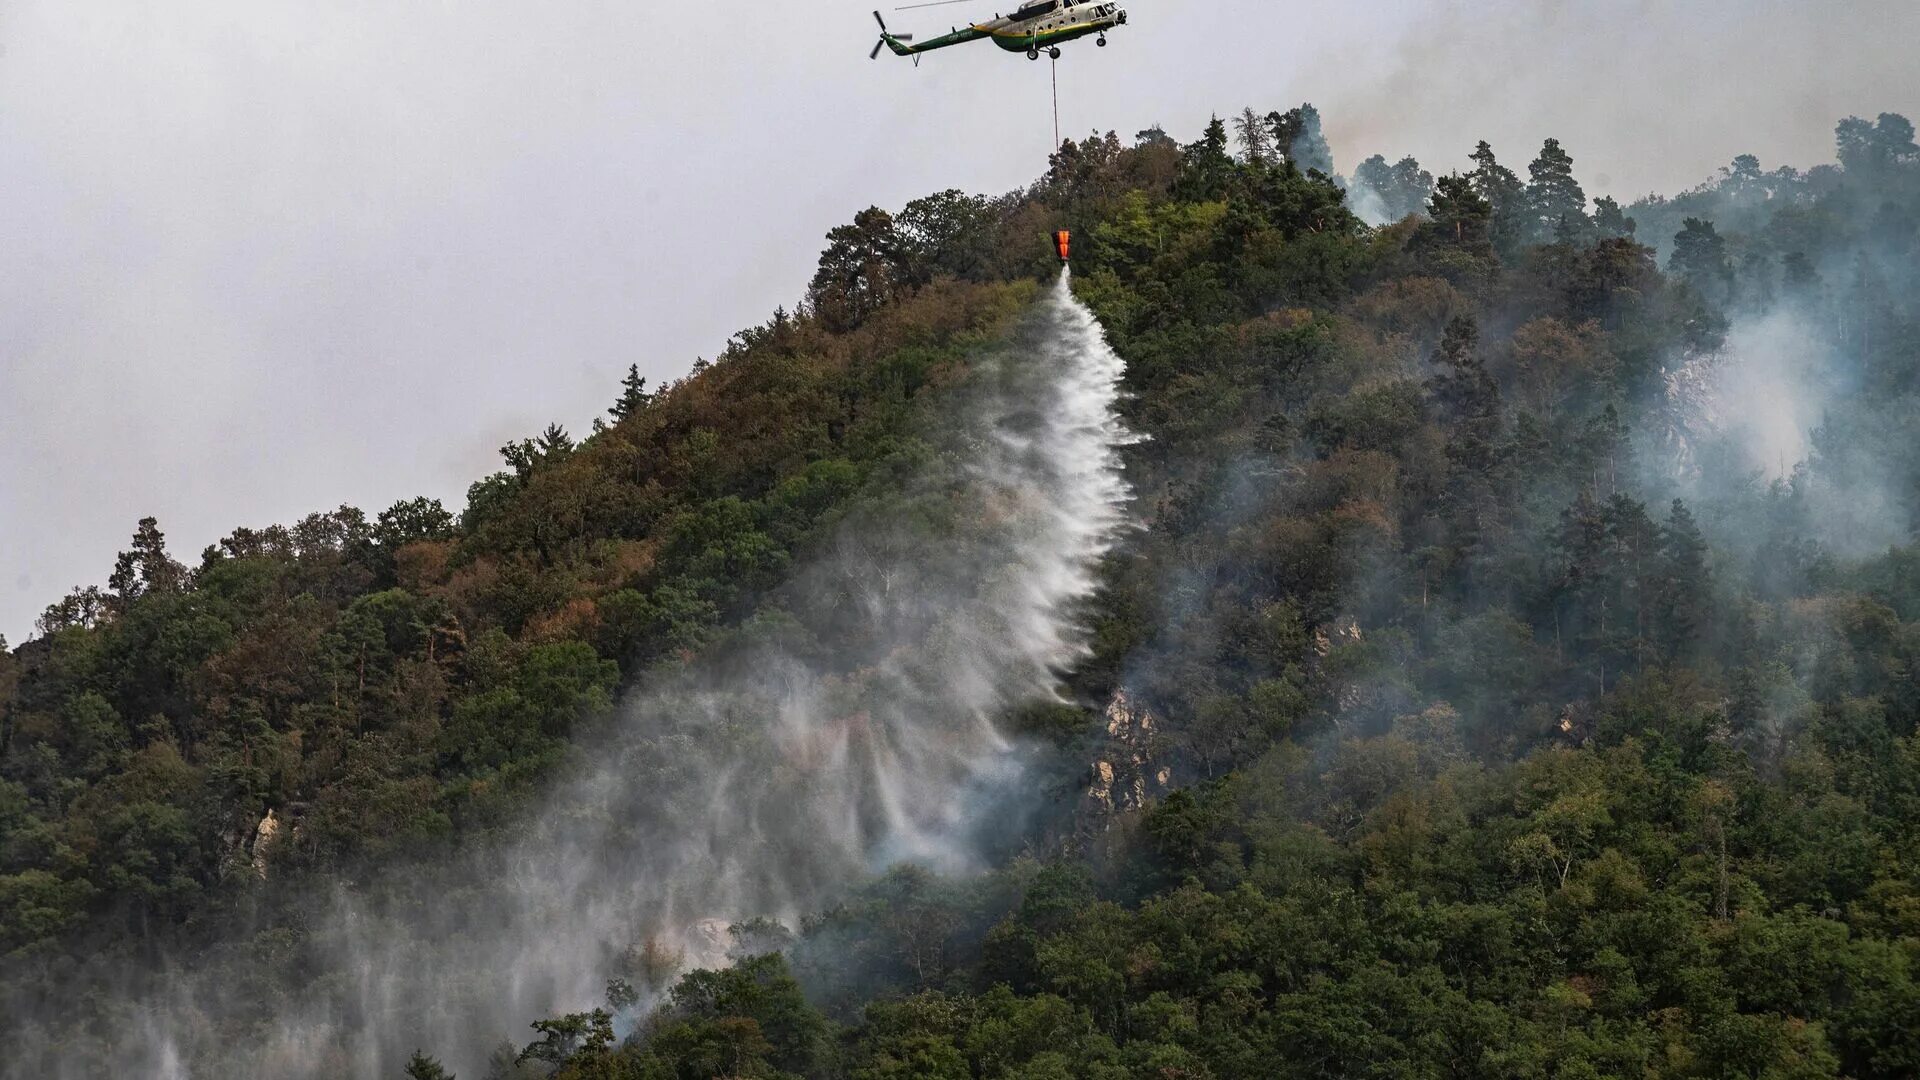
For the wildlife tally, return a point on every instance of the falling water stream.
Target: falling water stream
(858, 730)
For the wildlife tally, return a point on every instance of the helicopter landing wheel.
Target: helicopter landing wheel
(1033, 54)
(1054, 52)
(1102, 42)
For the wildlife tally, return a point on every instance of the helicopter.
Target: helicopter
(1037, 25)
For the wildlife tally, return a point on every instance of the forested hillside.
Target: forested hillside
(1513, 673)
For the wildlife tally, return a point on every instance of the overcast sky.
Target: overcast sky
(262, 257)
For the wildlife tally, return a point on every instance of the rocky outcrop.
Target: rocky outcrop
(1348, 697)
(707, 943)
(1130, 770)
(263, 837)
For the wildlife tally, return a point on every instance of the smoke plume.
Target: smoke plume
(853, 725)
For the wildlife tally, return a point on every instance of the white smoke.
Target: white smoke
(1368, 205)
(762, 781)
(1751, 416)
(1763, 394)
(1775, 390)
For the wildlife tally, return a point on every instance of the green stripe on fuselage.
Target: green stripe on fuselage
(958, 37)
(1022, 41)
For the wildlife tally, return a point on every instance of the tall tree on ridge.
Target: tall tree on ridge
(1558, 206)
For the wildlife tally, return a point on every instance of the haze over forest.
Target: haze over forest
(265, 257)
(1375, 612)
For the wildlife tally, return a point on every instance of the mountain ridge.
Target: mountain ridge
(1507, 735)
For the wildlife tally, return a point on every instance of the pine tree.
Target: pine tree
(554, 443)
(1742, 182)
(1297, 137)
(147, 568)
(1459, 219)
(1413, 185)
(633, 394)
(1601, 452)
(528, 456)
(1685, 598)
(1206, 167)
(1878, 147)
(422, 1067)
(1700, 259)
(1797, 273)
(1467, 399)
(1462, 390)
(1580, 593)
(1557, 206)
(1505, 197)
(1610, 221)
(860, 270)
(1635, 569)
(1155, 136)
(1402, 188)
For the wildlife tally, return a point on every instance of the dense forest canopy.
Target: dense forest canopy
(1525, 617)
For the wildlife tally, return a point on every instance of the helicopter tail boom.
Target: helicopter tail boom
(899, 42)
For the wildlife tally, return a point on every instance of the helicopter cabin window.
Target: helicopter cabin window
(1034, 11)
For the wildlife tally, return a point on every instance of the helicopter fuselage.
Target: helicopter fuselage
(1065, 23)
(1034, 27)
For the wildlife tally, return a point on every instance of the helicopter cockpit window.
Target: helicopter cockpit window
(1034, 11)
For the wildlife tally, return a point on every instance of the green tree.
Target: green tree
(762, 991)
(1557, 205)
(1877, 148)
(1207, 166)
(950, 233)
(1611, 222)
(861, 270)
(1296, 134)
(1685, 601)
(1700, 259)
(1401, 190)
(411, 521)
(145, 569)
(571, 1041)
(422, 1067)
(634, 396)
(1505, 196)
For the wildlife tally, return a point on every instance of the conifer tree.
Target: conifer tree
(1610, 221)
(1467, 398)
(633, 395)
(1206, 167)
(1700, 259)
(422, 1067)
(145, 569)
(1505, 196)
(1462, 389)
(1403, 188)
(1298, 138)
(1685, 589)
(555, 442)
(1878, 147)
(1458, 219)
(1558, 206)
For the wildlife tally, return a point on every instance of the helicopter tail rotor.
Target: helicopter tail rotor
(887, 40)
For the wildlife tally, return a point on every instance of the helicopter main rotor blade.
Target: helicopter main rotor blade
(936, 3)
(877, 46)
